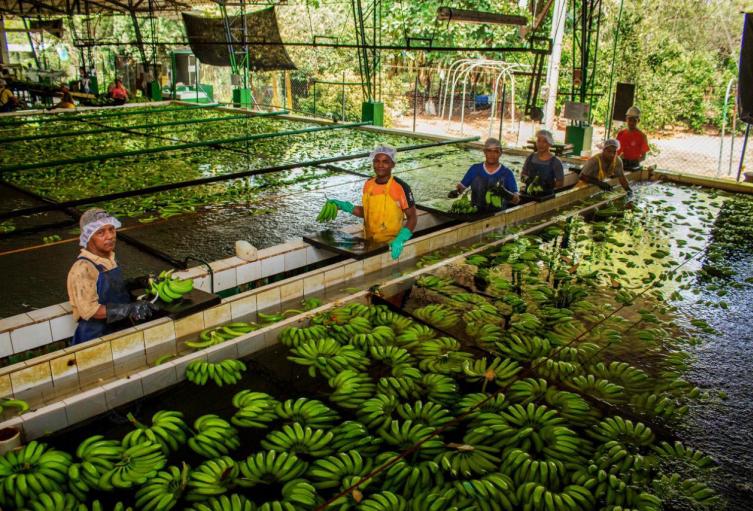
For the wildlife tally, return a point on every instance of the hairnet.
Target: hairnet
(93, 220)
(390, 151)
(546, 135)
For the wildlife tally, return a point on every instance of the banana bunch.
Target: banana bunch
(232, 502)
(436, 499)
(414, 336)
(554, 369)
(476, 260)
(406, 434)
(571, 406)
(692, 489)
(527, 390)
(163, 491)
(296, 494)
(526, 323)
(623, 430)
(659, 405)
(409, 476)
(439, 388)
(255, 409)
(211, 479)
(330, 471)
(97, 456)
(500, 371)
(377, 411)
(19, 405)
(403, 387)
(614, 456)
(328, 357)
(598, 388)
(463, 206)
(472, 405)
(299, 440)
(118, 506)
(524, 348)
(31, 470)
(307, 412)
(357, 325)
(54, 501)
(437, 315)
(217, 335)
(486, 335)
(678, 451)
(350, 388)
(328, 212)
(342, 315)
(381, 335)
(271, 467)
(467, 460)
(214, 437)
(137, 464)
(393, 356)
(228, 371)
(167, 288)
(438, 284)
(168, 430)
(428, 414)
(352, 435)
(538, 497)
(395, 321)
(494, 491)
(383, 501)
(523, 467)
(439, 347)
(293, 336)
(448, 363)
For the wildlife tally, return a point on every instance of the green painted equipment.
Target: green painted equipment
(580, 136)
(373, 111)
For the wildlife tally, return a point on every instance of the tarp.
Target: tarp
(207, 38)
(745, 77)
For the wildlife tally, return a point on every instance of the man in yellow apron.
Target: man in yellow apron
(604, 166)
(387, 203)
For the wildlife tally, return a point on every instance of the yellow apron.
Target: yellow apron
(601, 176)
(382, 215)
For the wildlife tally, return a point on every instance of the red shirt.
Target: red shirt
(119, 93)
(633, 144)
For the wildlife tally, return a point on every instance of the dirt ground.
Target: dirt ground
(682, 152)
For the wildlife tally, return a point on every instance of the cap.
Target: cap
(633, 111)
(93, 220)
(492, 143)
(390, 151)
(610, 142)
(547, 135)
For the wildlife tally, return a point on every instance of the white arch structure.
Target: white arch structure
(460, 70)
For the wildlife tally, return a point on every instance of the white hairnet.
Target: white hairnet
(93, 220)
(610, 142)
(390, 151)
(492, 143)
(546, 135)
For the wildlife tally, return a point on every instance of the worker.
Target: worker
(119, 93)
(66, 102)
(633, 142)
(97, 291)
(388, 210)
(542, 168)
(489, 176)
(603, 166)
(8, 102)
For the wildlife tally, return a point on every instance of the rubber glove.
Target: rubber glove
(605, 186)
(136, 311)
(343, 206)
(453, 194)
(397, 244)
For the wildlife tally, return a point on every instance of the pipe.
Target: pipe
(742, 155)
(724, 125)
(109, 129)
(214, 179)
(122, 112)
(176, 147)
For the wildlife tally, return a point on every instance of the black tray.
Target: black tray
(192, 302)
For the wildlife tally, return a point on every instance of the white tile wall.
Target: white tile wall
(46, 312)
(123, 391)
(31, 336)
(158, 378)
(248, 272)
(272, 265)
(224, 279)
(6, 348)
(85, 405)
(62, 327)
(295, 259)
(243, 306)
(47, 420)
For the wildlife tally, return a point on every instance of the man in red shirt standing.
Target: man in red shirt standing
(633, 142)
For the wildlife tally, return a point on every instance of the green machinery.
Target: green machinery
(185, 79)
(587, 22)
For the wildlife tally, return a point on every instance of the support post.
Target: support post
(4, 54)
(742, 155)
(553, 72)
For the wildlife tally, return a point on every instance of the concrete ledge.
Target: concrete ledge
(705, 181)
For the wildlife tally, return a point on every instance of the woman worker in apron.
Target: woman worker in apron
(97, 291)
(542, 171)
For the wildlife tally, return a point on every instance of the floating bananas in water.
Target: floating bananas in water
(225, 372)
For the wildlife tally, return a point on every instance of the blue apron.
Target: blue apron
(110, 289)
(545, 172)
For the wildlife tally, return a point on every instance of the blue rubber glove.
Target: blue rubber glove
(343, 206)
(397, 244)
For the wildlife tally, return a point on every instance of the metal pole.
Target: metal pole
(610, 99)
(415, 101)
(732, 141)
(724, 125)
(742, 155)
(553, 72)
(314, 98)
(342, 108)
(502, 109)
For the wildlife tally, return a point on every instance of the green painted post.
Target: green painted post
(373, 112)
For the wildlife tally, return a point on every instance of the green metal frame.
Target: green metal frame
(176, 147)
